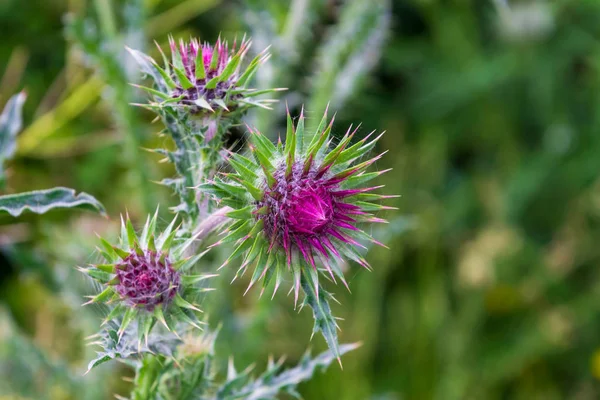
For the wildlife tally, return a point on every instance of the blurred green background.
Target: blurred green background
(491, 286)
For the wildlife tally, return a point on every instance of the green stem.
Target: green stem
(133, 143)
(187, 160)
(146, 378)
(106, 18)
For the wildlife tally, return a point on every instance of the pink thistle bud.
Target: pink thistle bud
(203, 78)
(146, 278)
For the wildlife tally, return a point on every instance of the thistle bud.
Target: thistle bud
(203, 78)
(147, 279)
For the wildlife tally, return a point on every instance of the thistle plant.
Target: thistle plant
(288, 208)
(293, 209)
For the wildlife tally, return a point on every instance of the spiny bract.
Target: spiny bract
(299, 206)
(202, 78)
(146, 278)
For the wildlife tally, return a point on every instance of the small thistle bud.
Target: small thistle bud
(147, 279)
(203, 78)
(299, 206)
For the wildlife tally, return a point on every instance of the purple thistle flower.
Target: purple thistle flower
(305, 213)
(300, 206)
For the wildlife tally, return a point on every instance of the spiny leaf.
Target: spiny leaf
(214, 61)
(166, 237)
(131, 237)
(151, 91)
(247, 75)
(300, 132)
(273, 382)
(102, 296)
(232, 190)
(130, 314)
(243, 213)
(263, 144)
(253, 190)
(42, 201)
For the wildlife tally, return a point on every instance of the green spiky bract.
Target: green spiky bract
(297, 209)
(199, 93)
(146, 278)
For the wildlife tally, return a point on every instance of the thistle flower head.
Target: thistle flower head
(201, 64)
(202, 79)
(146, 278)
(299, 206)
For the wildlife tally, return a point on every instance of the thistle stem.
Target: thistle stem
(213, 130)
(106, 17)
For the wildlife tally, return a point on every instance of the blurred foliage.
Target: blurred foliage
(491, 288)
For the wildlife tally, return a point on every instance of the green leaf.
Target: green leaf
(149, 229)
(263, 144)
(253, 190)
(300, 132)
(201, 102)
(42, 201)
(128, 346)
(10, 124)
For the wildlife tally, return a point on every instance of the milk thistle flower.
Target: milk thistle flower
(147, 279)
(299, 207)
(201, 78)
